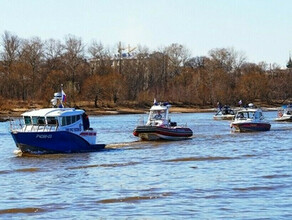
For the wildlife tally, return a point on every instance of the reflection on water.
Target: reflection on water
(215, 175)
(198, 159)
(23, 210)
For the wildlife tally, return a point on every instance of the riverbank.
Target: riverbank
(15, 112)
(15, 109)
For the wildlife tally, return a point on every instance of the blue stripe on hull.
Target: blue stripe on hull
(53, 142)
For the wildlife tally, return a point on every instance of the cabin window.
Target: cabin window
(63, 121)
(74, 118)
(36, 120)
(67, 120)
(27, 120)
(41, 121)
(52, 120)
(246, 115)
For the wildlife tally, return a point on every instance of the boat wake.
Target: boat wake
(17, 152)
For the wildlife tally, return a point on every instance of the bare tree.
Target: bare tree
(227, 58)
(11, 45)
(100, 59)
(178, 55)
(53, 50)
(73, 57)
(9, 56)
(32, 53)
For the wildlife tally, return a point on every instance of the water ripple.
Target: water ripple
(199, 159)
(134, 198)
(21, 210)
(103, 165)
(32, 169)
(275, 176)
(255, 188)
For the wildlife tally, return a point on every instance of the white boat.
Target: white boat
(224, 113)
(250, 119)
(285, 114)
(55, 130)
(160, 127)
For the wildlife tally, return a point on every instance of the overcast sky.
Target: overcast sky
(261, 29)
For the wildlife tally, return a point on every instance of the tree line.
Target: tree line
(32, 69)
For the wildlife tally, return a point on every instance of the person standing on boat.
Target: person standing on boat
(85, 122)
(219, 106)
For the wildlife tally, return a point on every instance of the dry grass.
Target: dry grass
(16, 108)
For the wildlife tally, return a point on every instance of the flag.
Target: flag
(63, 96)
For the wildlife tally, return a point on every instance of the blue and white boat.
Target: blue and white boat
(285, 114)
(55, 130)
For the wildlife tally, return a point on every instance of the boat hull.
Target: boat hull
(223, 117)
(53, 142)
(284, 119)
(249, 127)
(153, 133)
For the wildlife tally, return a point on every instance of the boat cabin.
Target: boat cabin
(251, 114)
(52, 119)
(159, 114)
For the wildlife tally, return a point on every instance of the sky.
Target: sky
(259, 29)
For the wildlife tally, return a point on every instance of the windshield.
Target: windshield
(244, 115)
(157, 114)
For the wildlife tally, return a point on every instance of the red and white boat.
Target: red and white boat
(250, 119)
(159, 126)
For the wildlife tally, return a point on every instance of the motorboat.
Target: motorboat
(160, 127)
(250, 119)
(224, 113)
(55, 130)
(285, 114)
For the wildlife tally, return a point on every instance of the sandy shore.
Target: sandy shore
(16, 112)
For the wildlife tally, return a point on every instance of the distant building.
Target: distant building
(112, 61)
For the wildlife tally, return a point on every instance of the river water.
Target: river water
(215, 175)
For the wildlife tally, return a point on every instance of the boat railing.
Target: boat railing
(184, 125)
(20, 126)
(174, 124)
